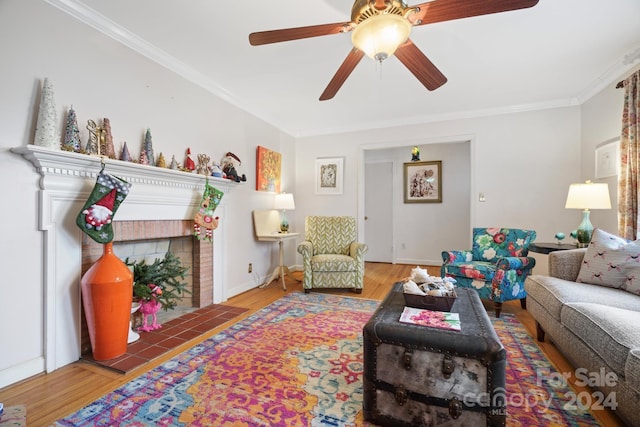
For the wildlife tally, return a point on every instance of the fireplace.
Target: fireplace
(160, 201)
(157, 234)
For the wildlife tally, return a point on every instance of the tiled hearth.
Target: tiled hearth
(172, 334)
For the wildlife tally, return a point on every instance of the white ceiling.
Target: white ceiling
(558, 53)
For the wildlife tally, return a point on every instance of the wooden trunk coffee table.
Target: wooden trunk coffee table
(420, 376)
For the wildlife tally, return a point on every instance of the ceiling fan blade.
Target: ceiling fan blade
(447, 10)
(345, 70)
(420, 66)
(287, 34)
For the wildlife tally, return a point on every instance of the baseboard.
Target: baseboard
(22, 371)
(419, 262)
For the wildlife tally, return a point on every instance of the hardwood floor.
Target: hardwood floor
(49, 397)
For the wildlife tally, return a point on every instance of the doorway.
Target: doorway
(378, 211)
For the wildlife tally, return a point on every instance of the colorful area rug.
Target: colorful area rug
(298, 362)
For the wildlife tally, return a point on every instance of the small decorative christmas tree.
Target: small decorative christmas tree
(108, 149)
(46, 131)
(174, 163)
(143, 158)
(148, 147)
(161, 163)
(125, 155)
(162, 274)
(72, 133)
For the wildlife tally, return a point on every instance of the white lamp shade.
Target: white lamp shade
(379, 36)
(588, 195)
(284, 201)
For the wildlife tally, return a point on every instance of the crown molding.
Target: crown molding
(610, 77)
(434, 118)
(106, 26)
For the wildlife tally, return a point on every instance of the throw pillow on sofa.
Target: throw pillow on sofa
(632, 280)
(609, 260)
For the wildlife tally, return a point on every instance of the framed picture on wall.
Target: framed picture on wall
(423, 182)
(329, 175)
(607, 155)
(268, 169)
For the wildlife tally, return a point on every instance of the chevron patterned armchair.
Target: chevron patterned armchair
(331, 257)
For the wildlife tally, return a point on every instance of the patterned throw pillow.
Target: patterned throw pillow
(632, 281)
(608, 261)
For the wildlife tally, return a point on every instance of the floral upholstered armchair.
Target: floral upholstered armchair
(496, 266)
(331, 257)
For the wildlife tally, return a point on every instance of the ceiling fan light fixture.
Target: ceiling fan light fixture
(380, 35)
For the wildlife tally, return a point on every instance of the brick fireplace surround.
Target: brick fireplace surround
(127, 231)
(161, 203)
(130, 231)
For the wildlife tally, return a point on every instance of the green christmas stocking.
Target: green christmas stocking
(97, 213)
(204, 219)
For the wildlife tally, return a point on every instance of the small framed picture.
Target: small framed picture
(607, 155)
(329, 175)
(423, 182)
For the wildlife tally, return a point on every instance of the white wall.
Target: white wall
(522, 162)
(418, 234)
(101, 78)
(602, 122)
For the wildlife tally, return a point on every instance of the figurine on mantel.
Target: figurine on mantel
(93, 143)
(216, 170)
(189, 164)
(203, 165)
(229, 162)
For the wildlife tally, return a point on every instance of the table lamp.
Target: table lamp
(587, 196)
(284, 202)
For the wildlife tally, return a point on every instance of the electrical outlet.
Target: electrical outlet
(250, 269)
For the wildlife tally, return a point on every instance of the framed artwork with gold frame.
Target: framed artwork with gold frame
(423, 182)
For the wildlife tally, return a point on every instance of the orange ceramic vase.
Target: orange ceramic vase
(107, 291)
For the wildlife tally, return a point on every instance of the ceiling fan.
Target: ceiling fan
(381, 28)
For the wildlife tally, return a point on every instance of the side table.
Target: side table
(541, 251)
(547, 248)
(281, 270)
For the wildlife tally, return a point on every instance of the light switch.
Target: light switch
(481, 197)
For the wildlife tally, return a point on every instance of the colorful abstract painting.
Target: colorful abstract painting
(268, 170)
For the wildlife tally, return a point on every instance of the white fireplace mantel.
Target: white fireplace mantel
(51, 162)
(66, 181)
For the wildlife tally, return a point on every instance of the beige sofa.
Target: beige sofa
(596, 327)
